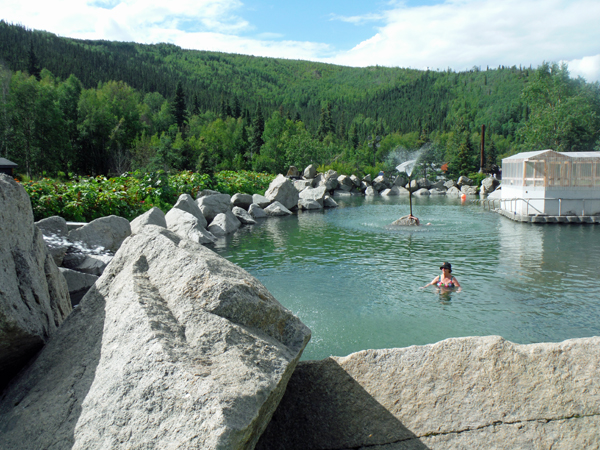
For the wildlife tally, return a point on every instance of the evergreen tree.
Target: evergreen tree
(354, 141)
(237, 109)
(179, 111)
(33, 65)
(258, 128)
(326, 122)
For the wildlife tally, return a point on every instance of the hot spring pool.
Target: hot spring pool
(354, 280)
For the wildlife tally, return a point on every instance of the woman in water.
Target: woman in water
(445, 280)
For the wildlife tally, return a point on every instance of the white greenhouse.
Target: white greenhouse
(551, 183)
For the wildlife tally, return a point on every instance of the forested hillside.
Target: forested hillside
(99, 107)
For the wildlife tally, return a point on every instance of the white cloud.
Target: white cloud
(456, 33)
(587, 67)
(464, 33)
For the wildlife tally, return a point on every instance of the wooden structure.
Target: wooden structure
(7, 166)
(551, 183)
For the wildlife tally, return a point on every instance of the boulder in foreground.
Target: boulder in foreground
(34, 297)
(173, 347)
(466, 393)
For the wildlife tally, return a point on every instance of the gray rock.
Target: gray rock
(400, 181)
(153, 216)
(367, 178)
(464, 181)
(256, 211)
(34, 297)
(75, 225)
(422, 191)
(441, 184)
(261, 200)
(316, 194)
(436, 191)
(345, 183)
(53, 226)
(406, 221)
(330, 180)
(454, 192)
(310, 172)
(186, 203)
(174, 347)
(450, 183)
(207, 192)
(355, 180)
(306, 203)
(282, 190)
(93, 264)
(224, 223)
(413, 186)
(243, 216)
(187, 226)
(489, 185)
(424, 183)
(464, 393)
(104, 233)
(380, 183)
(242, 200)
(79, 283)
(328, 202)
(300, 185)
(277, 209)
(393, 191)
(293, 172)
(363, 186)
(469, 190)
(56, 235)
(371, 192)
(213, 204)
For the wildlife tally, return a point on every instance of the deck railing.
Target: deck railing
(514, 202)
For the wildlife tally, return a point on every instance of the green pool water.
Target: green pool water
(354, 279)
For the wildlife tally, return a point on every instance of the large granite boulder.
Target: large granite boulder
(371, 192)
(256, 211)
(315, 194)
(380, 183)
(422, 191)
(56, 235)
(261, 200)
(213, 204)
(186, 203)
(90, 263)
(78, 282)
(453, 191)
(424, 183)
(300, 185)
(345, 183)
(330, 180)
(307, 204)
(356, 181)
(469, 190)
(154, 216)
(105, 233)
(243, 216)
(393, 191)
(241, 200)
(224, 223)
(34, 297)
(277, 209)
(464, 181)
(310, 172)
(465, 393)
(450, 183)
(329, 202)
(188, 226)
(489, 185)
(282, 190)
(174, 347)
(400, 181)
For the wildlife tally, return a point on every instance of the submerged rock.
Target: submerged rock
(174, 347)
(406, 221)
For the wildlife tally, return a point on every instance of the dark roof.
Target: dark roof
(6, 163)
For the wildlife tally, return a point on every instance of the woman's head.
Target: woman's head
(446, 266)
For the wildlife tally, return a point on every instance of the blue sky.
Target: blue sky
(434, 34)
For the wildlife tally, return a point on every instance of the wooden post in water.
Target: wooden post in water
(481, 164)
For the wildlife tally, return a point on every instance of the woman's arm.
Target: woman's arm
(455, 281)
(435, 280)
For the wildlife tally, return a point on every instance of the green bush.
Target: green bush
(130, 195)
